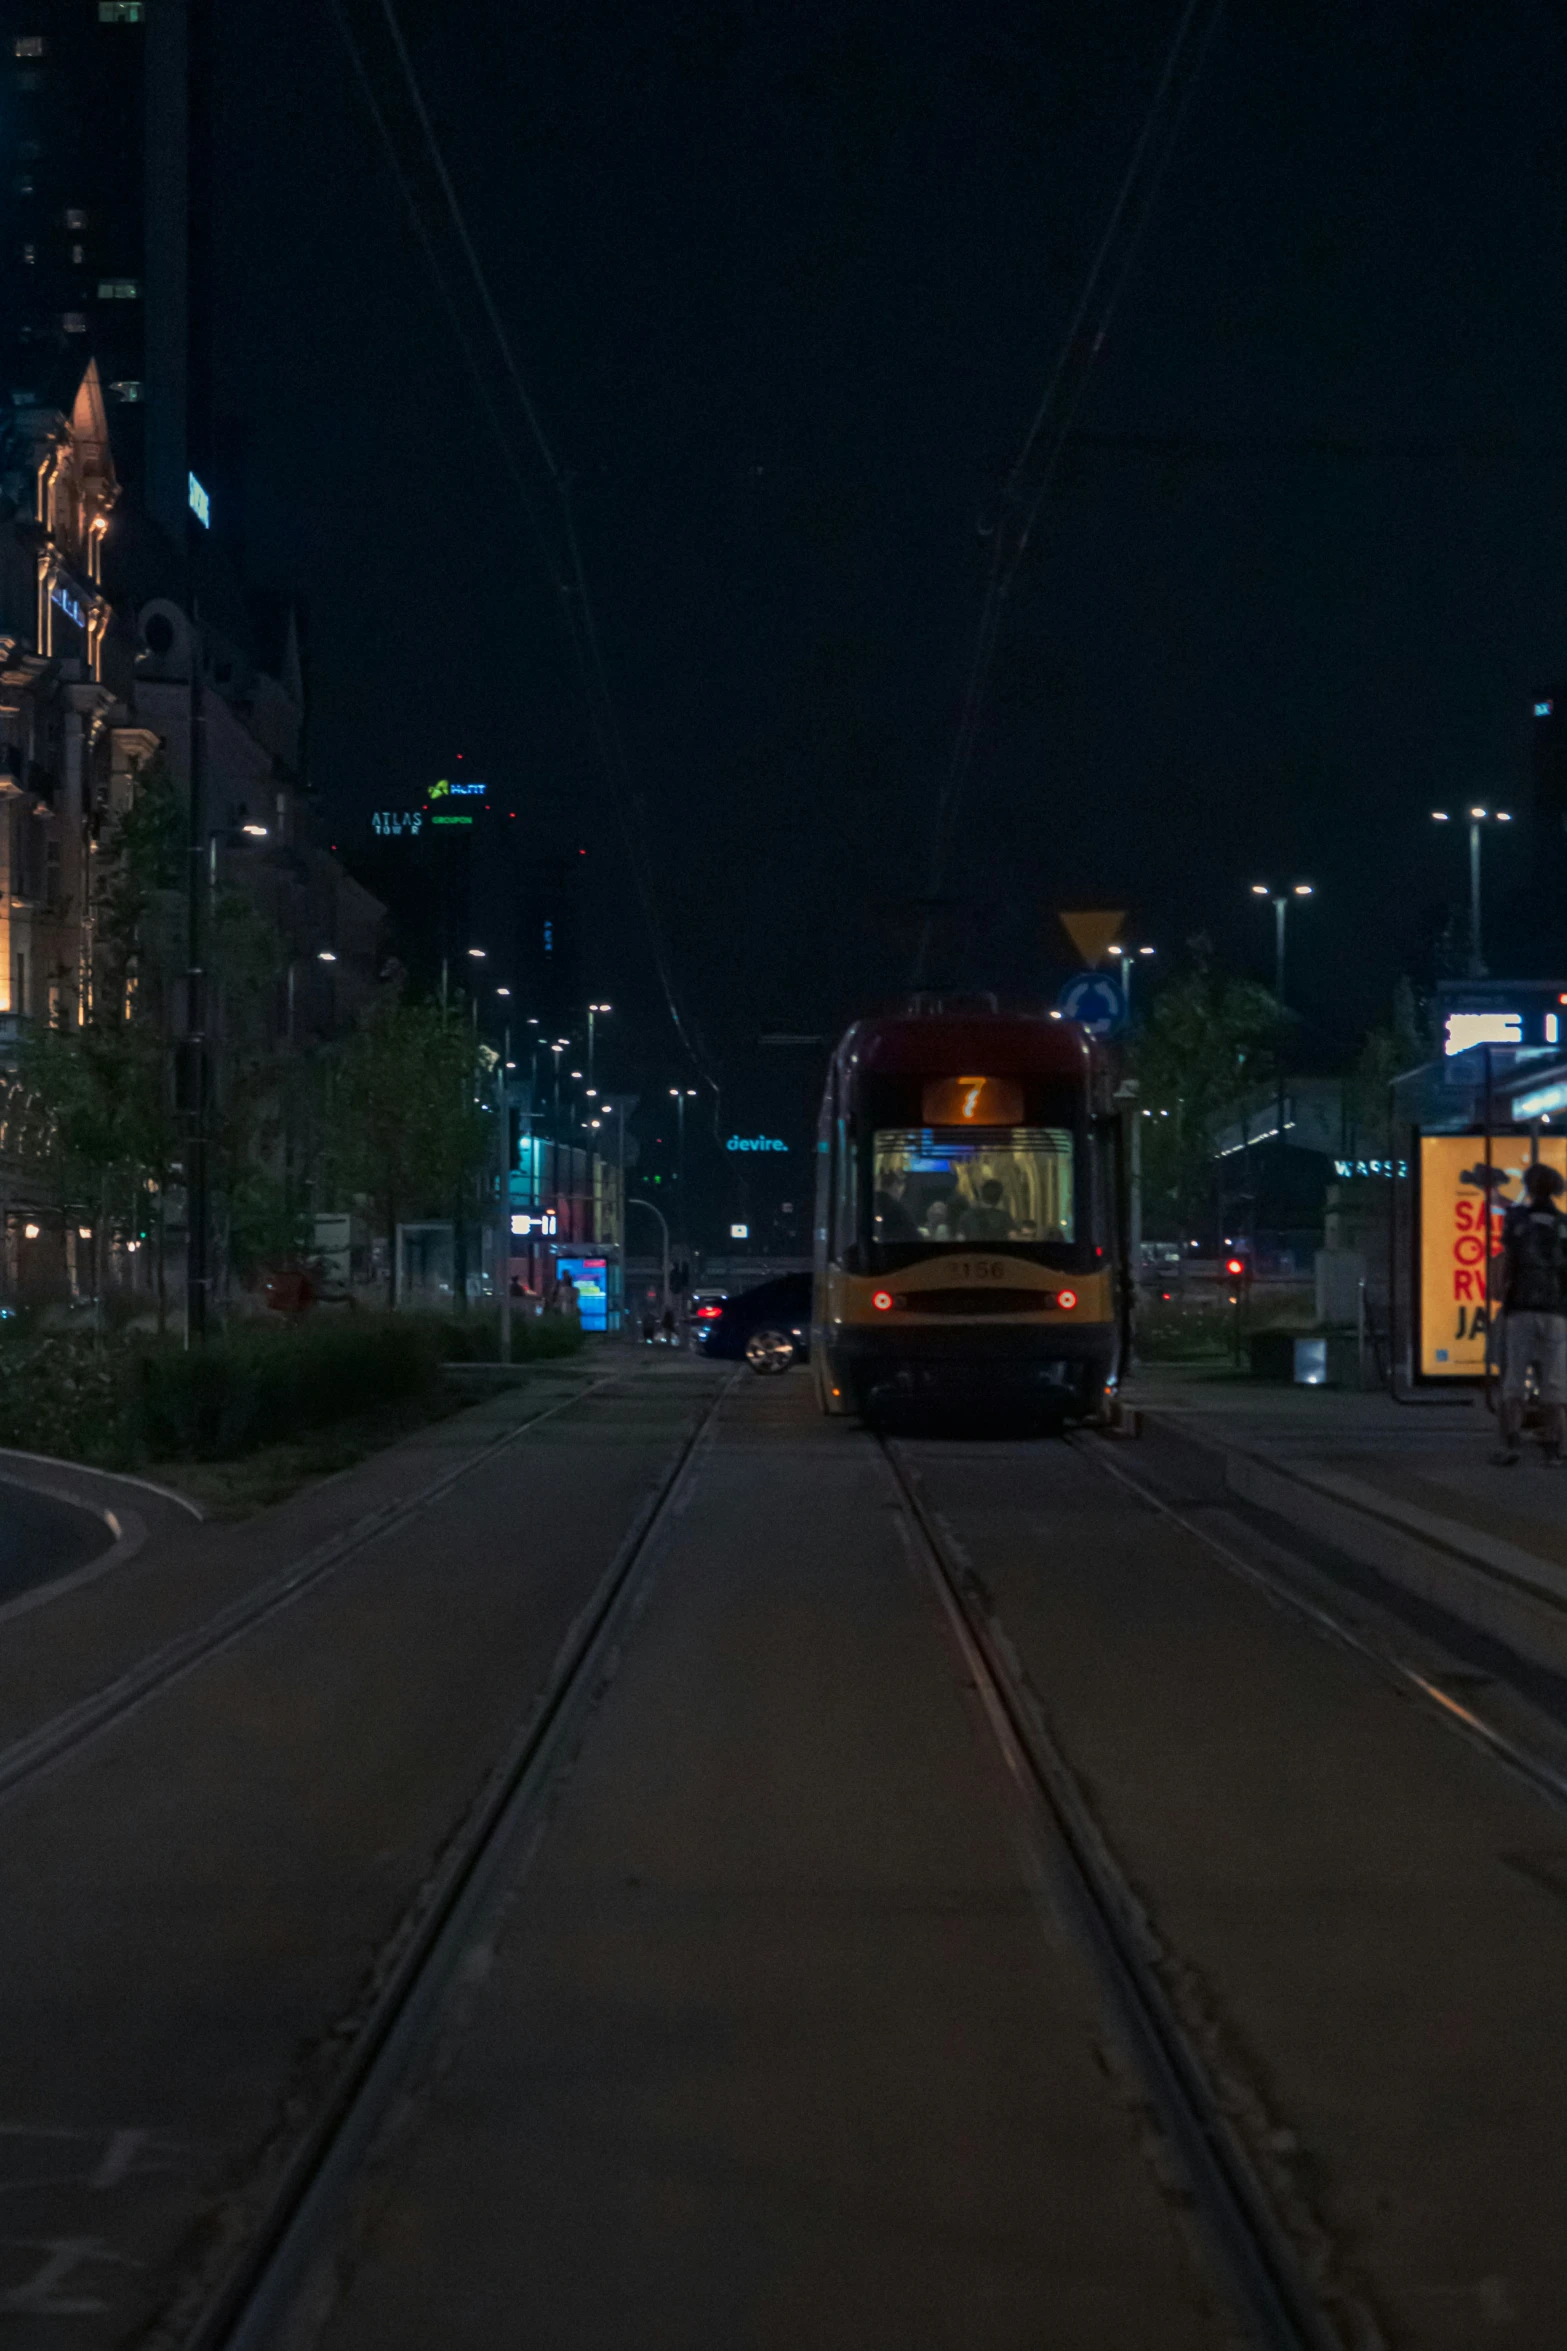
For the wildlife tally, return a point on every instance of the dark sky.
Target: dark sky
(786, 283)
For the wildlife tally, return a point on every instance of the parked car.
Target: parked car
(769, 1326)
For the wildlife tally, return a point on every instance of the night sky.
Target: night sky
(786, 283)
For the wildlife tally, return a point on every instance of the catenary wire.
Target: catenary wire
(563, 560)
(1052, 421)
(585, 637)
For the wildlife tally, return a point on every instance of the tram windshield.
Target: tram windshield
(942, 1184)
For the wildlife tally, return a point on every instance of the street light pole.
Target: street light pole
(681, 1094)
(1478, 819)
(1126, 957)
(503, 1254)
(593, 1010)
(1281, 903)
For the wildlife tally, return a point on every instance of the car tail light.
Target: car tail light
(1066, 1298)
(882, 1301)
(708, 1313)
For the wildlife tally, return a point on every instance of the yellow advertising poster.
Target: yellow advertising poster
(1455, 1313)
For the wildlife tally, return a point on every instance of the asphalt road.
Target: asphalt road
(41, 1538)
(779, 2025)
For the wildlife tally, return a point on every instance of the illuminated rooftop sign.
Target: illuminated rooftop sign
(395, 822)
(1465, 1030)
(446, 790)
(200, 504)
(755, 1143)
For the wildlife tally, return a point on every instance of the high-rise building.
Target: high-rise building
(1549, 764)
(102, 221)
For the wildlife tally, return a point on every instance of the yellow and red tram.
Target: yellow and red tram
(970, 1217)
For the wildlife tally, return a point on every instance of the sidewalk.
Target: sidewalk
(1407, 1489)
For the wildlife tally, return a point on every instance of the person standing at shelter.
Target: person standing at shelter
(1534, 1312)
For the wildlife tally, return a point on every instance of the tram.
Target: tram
(971, 1225)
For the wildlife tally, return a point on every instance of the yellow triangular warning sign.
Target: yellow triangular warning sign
(1094, 932)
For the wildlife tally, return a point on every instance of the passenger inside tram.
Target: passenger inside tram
(935, 1186)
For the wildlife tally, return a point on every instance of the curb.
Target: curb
(1493, 1586)
(127, 1530)
(65, 1470)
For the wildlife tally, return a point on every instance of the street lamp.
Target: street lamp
(1127, 957)
(1281, 905)
(1477, 819)
(682, 1095)
(593, 1011)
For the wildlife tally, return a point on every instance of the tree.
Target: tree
(1392, 1047)
(1206, 1046)
(407, 1131)
(88, 1113)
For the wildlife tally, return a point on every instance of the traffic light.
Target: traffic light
(1237, 1271)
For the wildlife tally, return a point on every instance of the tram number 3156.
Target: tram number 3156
(979, 1269)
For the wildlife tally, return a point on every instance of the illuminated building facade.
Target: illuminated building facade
(65, 734)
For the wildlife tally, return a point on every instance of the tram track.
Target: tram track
(243, 2306)
(1400, 1672)
(27, 1758)
(1264, 2270)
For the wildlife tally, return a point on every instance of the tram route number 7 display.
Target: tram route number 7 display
(1455, 1246)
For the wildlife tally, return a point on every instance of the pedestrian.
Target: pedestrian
(1533, 1301)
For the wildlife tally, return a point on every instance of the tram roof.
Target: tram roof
(992, 1044)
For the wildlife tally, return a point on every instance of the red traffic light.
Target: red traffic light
(1235, 1265)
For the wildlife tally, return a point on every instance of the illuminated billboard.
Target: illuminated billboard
(1455, 1246)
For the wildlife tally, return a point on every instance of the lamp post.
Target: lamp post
(503, 1237)
(1281, 906)
(1127, 958)
(593, 1011)
(1478, 819)
(682, 1094)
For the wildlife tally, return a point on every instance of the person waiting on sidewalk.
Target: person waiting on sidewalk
(1534, 1312)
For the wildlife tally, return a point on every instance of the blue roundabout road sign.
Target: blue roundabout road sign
(1094, 1000)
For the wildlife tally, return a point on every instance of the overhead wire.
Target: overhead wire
(1032, 470)
(443, 287)
(568, 576)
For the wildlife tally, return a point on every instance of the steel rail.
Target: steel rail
(49, 1743)
(1266, 2275)
(245, 2307)
(1542, 1776)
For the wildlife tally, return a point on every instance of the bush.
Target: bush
(117, 1399)
(62, 1393)
(476, 1337)
(264, 1382)
(1199, 1326)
